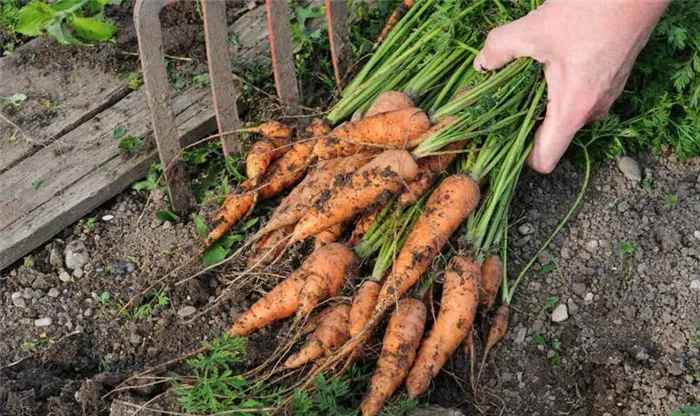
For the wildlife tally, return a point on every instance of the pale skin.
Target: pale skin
(587, 47)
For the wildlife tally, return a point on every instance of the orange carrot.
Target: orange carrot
(258, 160)
(374, 183)
(270, 247)
(403, 334)
(450, 204)
(491, 278)
(454, 321)
(499, 327)
(327, 270)
(361, 227)
(278, 304)
(317, 127)
(429, 170)
(231, 211)
(272, 130)
(435, 128)
(287, 170)
(392, 129)
(397, 15)
(328, 235)
(389, 101)
(331, 332)
(363, 305)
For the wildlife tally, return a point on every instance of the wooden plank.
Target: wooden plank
(78, 91)
(155, 76)
(281, 52)
(84, 170)
(341, 51)
(223, 90)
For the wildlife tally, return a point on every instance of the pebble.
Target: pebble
(522, 241)
(76, 255)
(592, 246)
(53, 292)
(56, 256)
(43, 322)
(18, 300)
(520, 336)
(572, 307)
(119, 267)
(588, 297)
(623, 206)
(697, 234)
(88, 312)
(41, 283)
(579, 289)
(64, 276)
(78, 273)
(630, 168)
(186, 311)
(565, 254)
(107, 217)
(695, 284)
(560, 313)
(526, 229)
(675, 369)
(135, 339)
(537, 326)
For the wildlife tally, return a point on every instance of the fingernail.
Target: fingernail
(480, 62)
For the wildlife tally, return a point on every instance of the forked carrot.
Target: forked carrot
(452, 325)
(327, 270)
(331, 332)
(374, 183)
(403, 334)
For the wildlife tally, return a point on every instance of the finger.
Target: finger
(565, 116)
(503, 45)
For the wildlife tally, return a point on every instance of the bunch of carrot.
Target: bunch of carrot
(382, 172)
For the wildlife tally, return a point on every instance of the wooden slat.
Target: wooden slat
(341, 52)
(222, 88)
(79, 91)
(85, 169)
(281, 52)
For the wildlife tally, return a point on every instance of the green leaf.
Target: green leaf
(167, 216)
(202, 80)
(33, 18)
(214, 254)
(547, 268)
(14, 100)
(130, 143)
(550, 303)
(200, 226)
(91, 29)
(251, 222)
(63, 36)
(62, 5)
(118, 132)
(228, 240)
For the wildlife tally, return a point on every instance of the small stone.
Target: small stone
(526, 229)
(560, 313)
(167, 225)
(76, 255)
(588, 297)
(537, 326)
(565, 253)
(186, 311)
(78, 273)
(571, 306)
(675, 369)
(64, 276)
(623, 207)
(579, 289)
(120, 267)
(697, 234)
(88, 312)
(40, 283)
(56, 256)
(18, 300)
(107, 217)
(630, 168)
(43, 322)
(522, 241)
(135, 339)
(520, 336)
(592, 246)
(695, 284)
(54, 293)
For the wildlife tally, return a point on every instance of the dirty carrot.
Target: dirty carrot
(278, 304)
(363, 305)
(327, 270)
(452, 325)
(403, 334)
(491, 278)
(451, 203)
(331, 332)
(287, 170)
(389, 101)
(272, 130)
(231, 211)
(361, 227)
(328, 235)
(374, 183)
(499, 326)
(258, 160)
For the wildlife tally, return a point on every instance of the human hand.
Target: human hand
(587, 47)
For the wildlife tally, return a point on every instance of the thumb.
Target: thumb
(504, 44)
